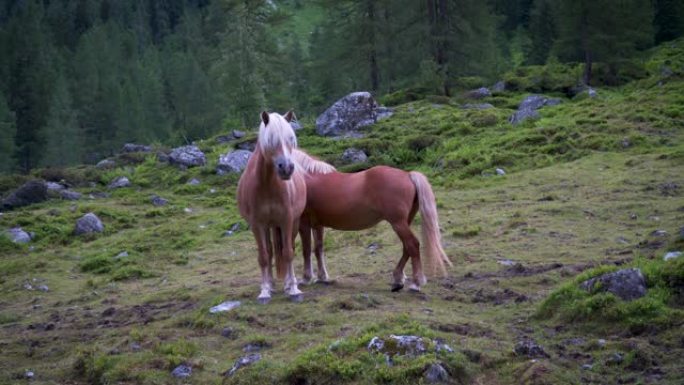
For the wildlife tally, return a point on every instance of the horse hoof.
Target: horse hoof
(263, 300)
(414, 288)
(396, 287)
(297, 298)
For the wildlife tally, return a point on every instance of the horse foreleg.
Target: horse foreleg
(305, 234)
(261, 235)
(288, 255)
(320, 256)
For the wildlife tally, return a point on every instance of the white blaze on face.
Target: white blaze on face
(278, 133)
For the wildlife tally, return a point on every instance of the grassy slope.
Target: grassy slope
(564, 207)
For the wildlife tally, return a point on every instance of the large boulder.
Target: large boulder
(628, 284)
(234, 161)
(354, 155)
(106, 164)
(88, 223)
(31, 192)
(348, 114)
(529, 106)
(187, 156)
(132, 147)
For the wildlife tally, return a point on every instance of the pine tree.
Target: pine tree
(599, 30)
(668, 20)
(62, 135)
(542, 31)
(8, 131)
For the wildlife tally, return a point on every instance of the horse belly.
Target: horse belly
(350, 220)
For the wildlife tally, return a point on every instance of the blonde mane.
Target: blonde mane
(276, 133)
(310, 165)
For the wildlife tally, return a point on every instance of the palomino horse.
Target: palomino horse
(271, 197)
(359, 201)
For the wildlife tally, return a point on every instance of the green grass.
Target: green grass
(581, 195)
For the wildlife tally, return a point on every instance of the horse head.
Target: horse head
(276, 142)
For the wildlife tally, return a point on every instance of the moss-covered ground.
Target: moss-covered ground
(586, 187)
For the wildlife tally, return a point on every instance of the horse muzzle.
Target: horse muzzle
(284, 168)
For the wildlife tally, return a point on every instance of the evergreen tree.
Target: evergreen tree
(600, 30)
(542, 31)
(62, 135)
(669, 19)
(8, 131)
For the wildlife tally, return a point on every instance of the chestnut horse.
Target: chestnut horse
(357, 201)
(271, 196)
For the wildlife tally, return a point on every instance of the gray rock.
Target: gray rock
(411, 345)
(248, 145)
(237, 134)
(628, 284)
(615, 359)
(29, 374)
(242, 362)
(88, 223)
(17, 235)
(224, 139)
(233, 162)
(666, 72)
(54, 186)
(659, 233)
(522, 115)
(477, 106)
(224, 306)
(119, 182)
(587, 367)
(500, 86)
(354, 155)
(188, 156)
(441, 346)
(350, 113)
(479, 93)
(132, 147)
(31, 192)
(672, 255)
(529, 348)
(228, 333)
(159, 201)
(500, 171)
(162, 157)
(122, 254)
(43, 288)
(182, 371)
(194, 182)
(70, 195)
(376, 344)
(383, 113)
(436, 373)
(105, 164)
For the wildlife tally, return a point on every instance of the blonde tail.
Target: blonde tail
(435, 257)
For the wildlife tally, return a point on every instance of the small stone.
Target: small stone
(29, 374)
(601, 342)
(182, 371)
(242, 362)
(122, 254)
(354, 155)
(88, 223)
(500, 171)
(615, 359)
(436, 374)
(659, 233)
(479, 93)
(506, 262)
(633, 216)
(135, 347)
(500, 86)
(119, 182)
(440, 346)
(228, 333)
(373, 247)
(187, 210)
(225, 306)
(132, 147)
(212, 191)
(17, 235)
(159, 201)
(43, 288)
(237, 134)
(587, 367)
(106, 164)
(109, 312)
(194, 182)
(70, 195)
(672, 255)
(530, 348)
(54, 186)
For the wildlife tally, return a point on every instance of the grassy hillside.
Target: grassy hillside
(586, 187)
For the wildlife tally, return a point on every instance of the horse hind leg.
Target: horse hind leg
(305, 234)
(323, 276)
(411, 247)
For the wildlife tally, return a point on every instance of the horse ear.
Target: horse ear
(264, 117)
(289, 116)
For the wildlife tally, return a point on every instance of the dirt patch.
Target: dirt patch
(464, 329)
(497, 297)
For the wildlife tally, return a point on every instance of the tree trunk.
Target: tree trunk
(372, 54)
(584, 25)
